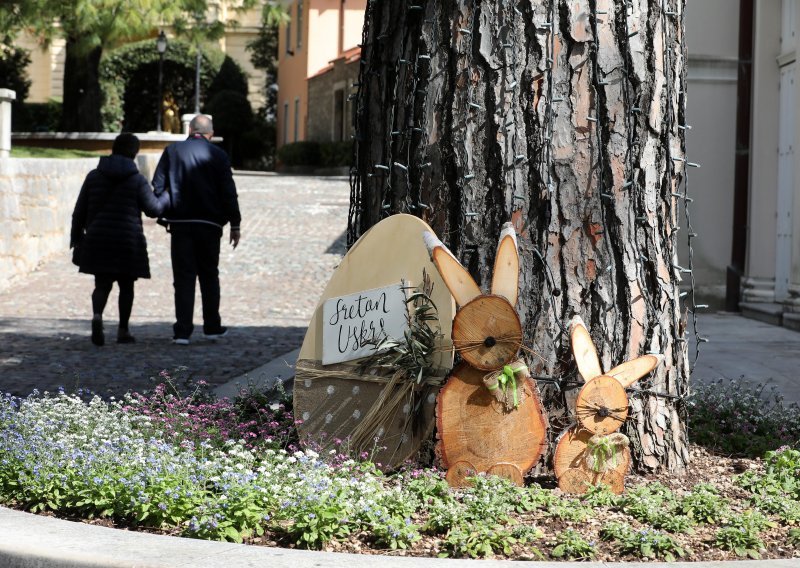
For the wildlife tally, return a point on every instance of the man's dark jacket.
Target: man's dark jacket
(107, 220)
(198, 177)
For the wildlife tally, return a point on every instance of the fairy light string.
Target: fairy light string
(402, 174)
(676, 111)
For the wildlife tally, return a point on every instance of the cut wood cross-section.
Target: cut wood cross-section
(478, 434)
(571, 464)
(487, 332)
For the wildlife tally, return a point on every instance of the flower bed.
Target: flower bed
(229, 471)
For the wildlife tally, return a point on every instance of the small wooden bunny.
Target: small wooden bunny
(488, 414)
(592, 451)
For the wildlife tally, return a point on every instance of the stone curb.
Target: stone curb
(264, 377)
(34, 541)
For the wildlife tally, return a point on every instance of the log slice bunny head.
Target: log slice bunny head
(602, 404)
(487, 332)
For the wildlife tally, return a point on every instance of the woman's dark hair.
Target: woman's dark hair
(126, 144)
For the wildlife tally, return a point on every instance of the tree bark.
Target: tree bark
(82, 94)
(564, 117)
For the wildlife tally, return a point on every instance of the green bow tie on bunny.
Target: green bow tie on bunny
(500, 382)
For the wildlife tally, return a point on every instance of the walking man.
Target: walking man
(203, 198)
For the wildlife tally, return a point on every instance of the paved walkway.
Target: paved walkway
(750, 350)
(292, 238)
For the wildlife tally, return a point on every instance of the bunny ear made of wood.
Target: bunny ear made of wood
(583, 349)
(458, 280)
(505, 278)
(631, 371)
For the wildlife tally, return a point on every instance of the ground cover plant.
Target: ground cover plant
(182, 463)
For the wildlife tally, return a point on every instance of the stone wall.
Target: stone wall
(37, 197)
(322, 101)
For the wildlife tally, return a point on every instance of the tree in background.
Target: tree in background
(131, 95)
(264, 56)
(90, 27)
(13, 60)
(567, 118)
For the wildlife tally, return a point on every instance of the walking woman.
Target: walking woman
(107, 232)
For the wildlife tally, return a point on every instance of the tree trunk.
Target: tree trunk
(564, 117)
(82, 95)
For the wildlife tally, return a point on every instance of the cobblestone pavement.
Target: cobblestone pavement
(292, 238)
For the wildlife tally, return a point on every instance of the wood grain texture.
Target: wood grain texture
(505, 276)
(475, 428)
(572, 471)
(487, 332)
(331, 408)
(457, 278)
(602, 405)
(631, 371)
(583, 349)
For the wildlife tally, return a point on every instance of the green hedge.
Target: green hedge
(129, 79)
(316, 154)
(36, 117)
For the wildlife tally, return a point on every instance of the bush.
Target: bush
(336, 154)
(736, 418)
(37, 117)
(13, 62)
(316, 154)
(229, 77)
(299, 154)
(232, 118)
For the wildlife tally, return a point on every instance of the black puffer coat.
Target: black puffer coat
(107, 221)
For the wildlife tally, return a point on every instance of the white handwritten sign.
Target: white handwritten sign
(353, 324)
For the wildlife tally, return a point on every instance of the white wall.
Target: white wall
(712, 35)
(37, 197)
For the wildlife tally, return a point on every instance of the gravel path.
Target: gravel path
(292, 238)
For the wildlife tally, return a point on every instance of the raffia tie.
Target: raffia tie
(603, 452)
(503, 384)
(313, 370)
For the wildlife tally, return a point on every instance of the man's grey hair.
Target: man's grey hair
(201, 124)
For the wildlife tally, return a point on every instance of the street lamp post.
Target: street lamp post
(197, 82)
(161, 46)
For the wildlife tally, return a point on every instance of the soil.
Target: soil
(717, 470)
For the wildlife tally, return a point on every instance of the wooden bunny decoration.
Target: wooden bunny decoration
(592, 451)
(488, 414)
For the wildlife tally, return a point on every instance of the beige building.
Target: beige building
(772, 272)
(46, 70)
(745, 122)
(319, 32)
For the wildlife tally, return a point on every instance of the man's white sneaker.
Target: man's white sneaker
(223, 331)
(180, 340)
